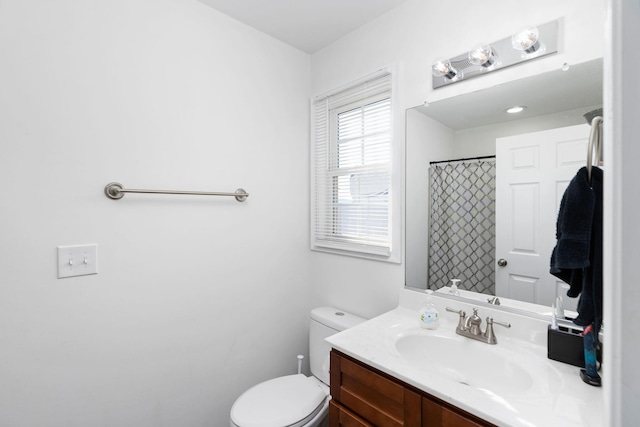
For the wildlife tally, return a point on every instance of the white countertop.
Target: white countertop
(553, 395)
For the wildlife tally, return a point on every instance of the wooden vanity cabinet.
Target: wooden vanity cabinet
(362, 396)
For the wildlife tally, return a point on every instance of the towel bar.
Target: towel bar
(115, 191)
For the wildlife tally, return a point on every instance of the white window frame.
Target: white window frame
(392, 251)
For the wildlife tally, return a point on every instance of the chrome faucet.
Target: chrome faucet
(470, 327)
(494, 301)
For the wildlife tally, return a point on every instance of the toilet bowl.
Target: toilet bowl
(292, 401)
(296, 400)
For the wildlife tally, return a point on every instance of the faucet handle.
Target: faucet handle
(491, 321)
(461, 322)
(489, 334)
(460, 312)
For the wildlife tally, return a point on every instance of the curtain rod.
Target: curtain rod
(463, 159)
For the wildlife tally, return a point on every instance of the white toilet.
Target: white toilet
(296, 400)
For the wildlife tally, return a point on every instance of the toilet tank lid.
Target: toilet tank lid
(334, 318)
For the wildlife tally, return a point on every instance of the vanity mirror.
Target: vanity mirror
(467, 126)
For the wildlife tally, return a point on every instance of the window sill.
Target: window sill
(390, 258)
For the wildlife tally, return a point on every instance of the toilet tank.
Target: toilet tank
(326, 321)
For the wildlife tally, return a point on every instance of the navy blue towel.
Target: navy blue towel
(577, 257)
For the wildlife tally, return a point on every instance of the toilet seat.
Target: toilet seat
(289, 401)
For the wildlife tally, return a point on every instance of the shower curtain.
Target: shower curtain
(462, 224)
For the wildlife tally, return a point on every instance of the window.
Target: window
(352, 179)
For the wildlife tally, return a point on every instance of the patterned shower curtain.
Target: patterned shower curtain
(462, 224)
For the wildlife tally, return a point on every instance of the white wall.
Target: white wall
(621, 207)
(432, 141)
(415, 33)
(196, 298)
(411, 37)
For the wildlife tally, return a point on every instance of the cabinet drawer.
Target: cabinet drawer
(373, 396)
(435, 414)
(342, 417)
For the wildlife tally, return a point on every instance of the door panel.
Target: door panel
(533, 171)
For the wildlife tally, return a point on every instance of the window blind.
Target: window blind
(352, 191)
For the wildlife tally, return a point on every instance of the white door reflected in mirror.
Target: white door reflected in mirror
(533, 171)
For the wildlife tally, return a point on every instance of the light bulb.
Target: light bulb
(442, 67)
(482, 55)
(526, 40)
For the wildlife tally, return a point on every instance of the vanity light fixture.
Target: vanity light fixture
(525, 45)
(442, 67)
(482, 55)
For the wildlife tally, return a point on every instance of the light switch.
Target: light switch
(77, 260)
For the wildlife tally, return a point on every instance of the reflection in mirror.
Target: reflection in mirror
(462, 223)
(476, 125)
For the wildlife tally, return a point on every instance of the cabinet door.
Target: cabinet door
(341, 417)
(437, 415)
(372, 395)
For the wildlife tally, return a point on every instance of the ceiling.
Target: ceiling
(308, 25)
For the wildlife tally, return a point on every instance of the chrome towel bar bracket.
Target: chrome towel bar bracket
(115, 191)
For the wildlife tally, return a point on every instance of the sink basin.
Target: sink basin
(466, 361)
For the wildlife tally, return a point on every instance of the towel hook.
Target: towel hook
(595, 144)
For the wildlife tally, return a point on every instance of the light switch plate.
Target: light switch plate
(77, 260)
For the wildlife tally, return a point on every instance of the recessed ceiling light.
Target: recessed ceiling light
(515, 109)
